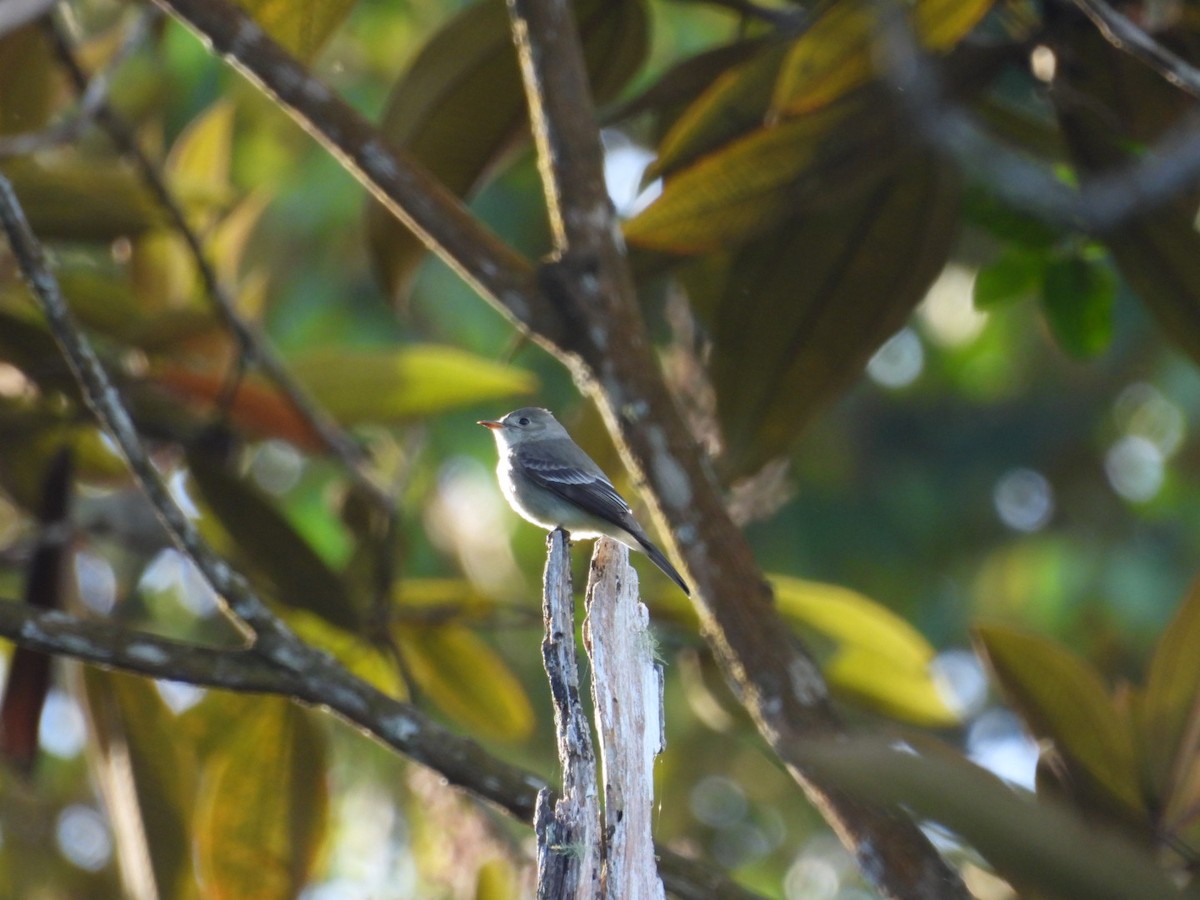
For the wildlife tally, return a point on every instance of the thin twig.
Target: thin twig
(778, 680)
(93, 100)
(315, 677)
(117, 647)
(1102, 203)
(251, 341)
(1125, 35)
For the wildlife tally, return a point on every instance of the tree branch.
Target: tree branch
(1124, 35)
(437, 217)
(778, 682)
(251, 341)
(399, 725)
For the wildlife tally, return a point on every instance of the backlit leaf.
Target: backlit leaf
(136, 737)
(1014, 276)
(836, 53)
(1169, 725)
(269, 546)
(390, 384)
(735, 103)
(1063, 700)
(804, 309)
(467, 680)
(261, 813)
(853, 620)
(460, 106)
(907, 694)
(302, 28)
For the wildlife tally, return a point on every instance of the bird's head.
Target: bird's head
(530, 423)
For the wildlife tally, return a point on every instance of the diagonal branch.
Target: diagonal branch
(566, 312)
(421, 738)
(1125, 35)
(250, 339)
(778, 681)
(315, 677)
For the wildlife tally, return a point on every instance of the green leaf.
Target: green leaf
(83, 201)
(735, 193)
(388, 384)
(853, 620)
(467, 680)
(200, 161)
(136, 738)
(904, 693)
(1078, 298)
(1043, 848)
(1169, 721)
(882, 661)
(260, 536)
(836, 54)
(1016, 275)
(460, 107)
(805, 308)
(734, 104)
(1063, 700)
(301, 28)
(261, 813)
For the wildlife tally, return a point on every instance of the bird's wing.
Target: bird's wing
(589, 490)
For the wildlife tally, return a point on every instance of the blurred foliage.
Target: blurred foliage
(1021, 452)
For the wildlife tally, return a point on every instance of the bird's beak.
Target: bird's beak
(488, 423)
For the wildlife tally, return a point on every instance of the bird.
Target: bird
(549, 481)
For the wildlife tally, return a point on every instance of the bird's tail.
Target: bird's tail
(659, 559)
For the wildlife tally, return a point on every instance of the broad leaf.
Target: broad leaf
(881, 660)
(460, 106)
(837, 53)
(302, 28)
(804, 309)
(1078, 297)
(1016, 275)
(270, 548)
(1169, 720)
(734, 104)
(1044, 849)
(136, 738)
(261, 814)
(83, 201)
(1063, 700)
(389, 384)
(467, 680)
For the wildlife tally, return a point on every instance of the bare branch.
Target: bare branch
(569, 835)
(1124, 35)
(778, 681)
(250, 339)
(419, 201)
(402, 726)
(1102, 203)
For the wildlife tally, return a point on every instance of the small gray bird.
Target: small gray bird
(551, 482)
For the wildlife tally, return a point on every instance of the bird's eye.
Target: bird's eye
(524, 420)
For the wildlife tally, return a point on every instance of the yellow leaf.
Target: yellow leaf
(907, 693)
(853, 621)
(836, 54)
(467, 679)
